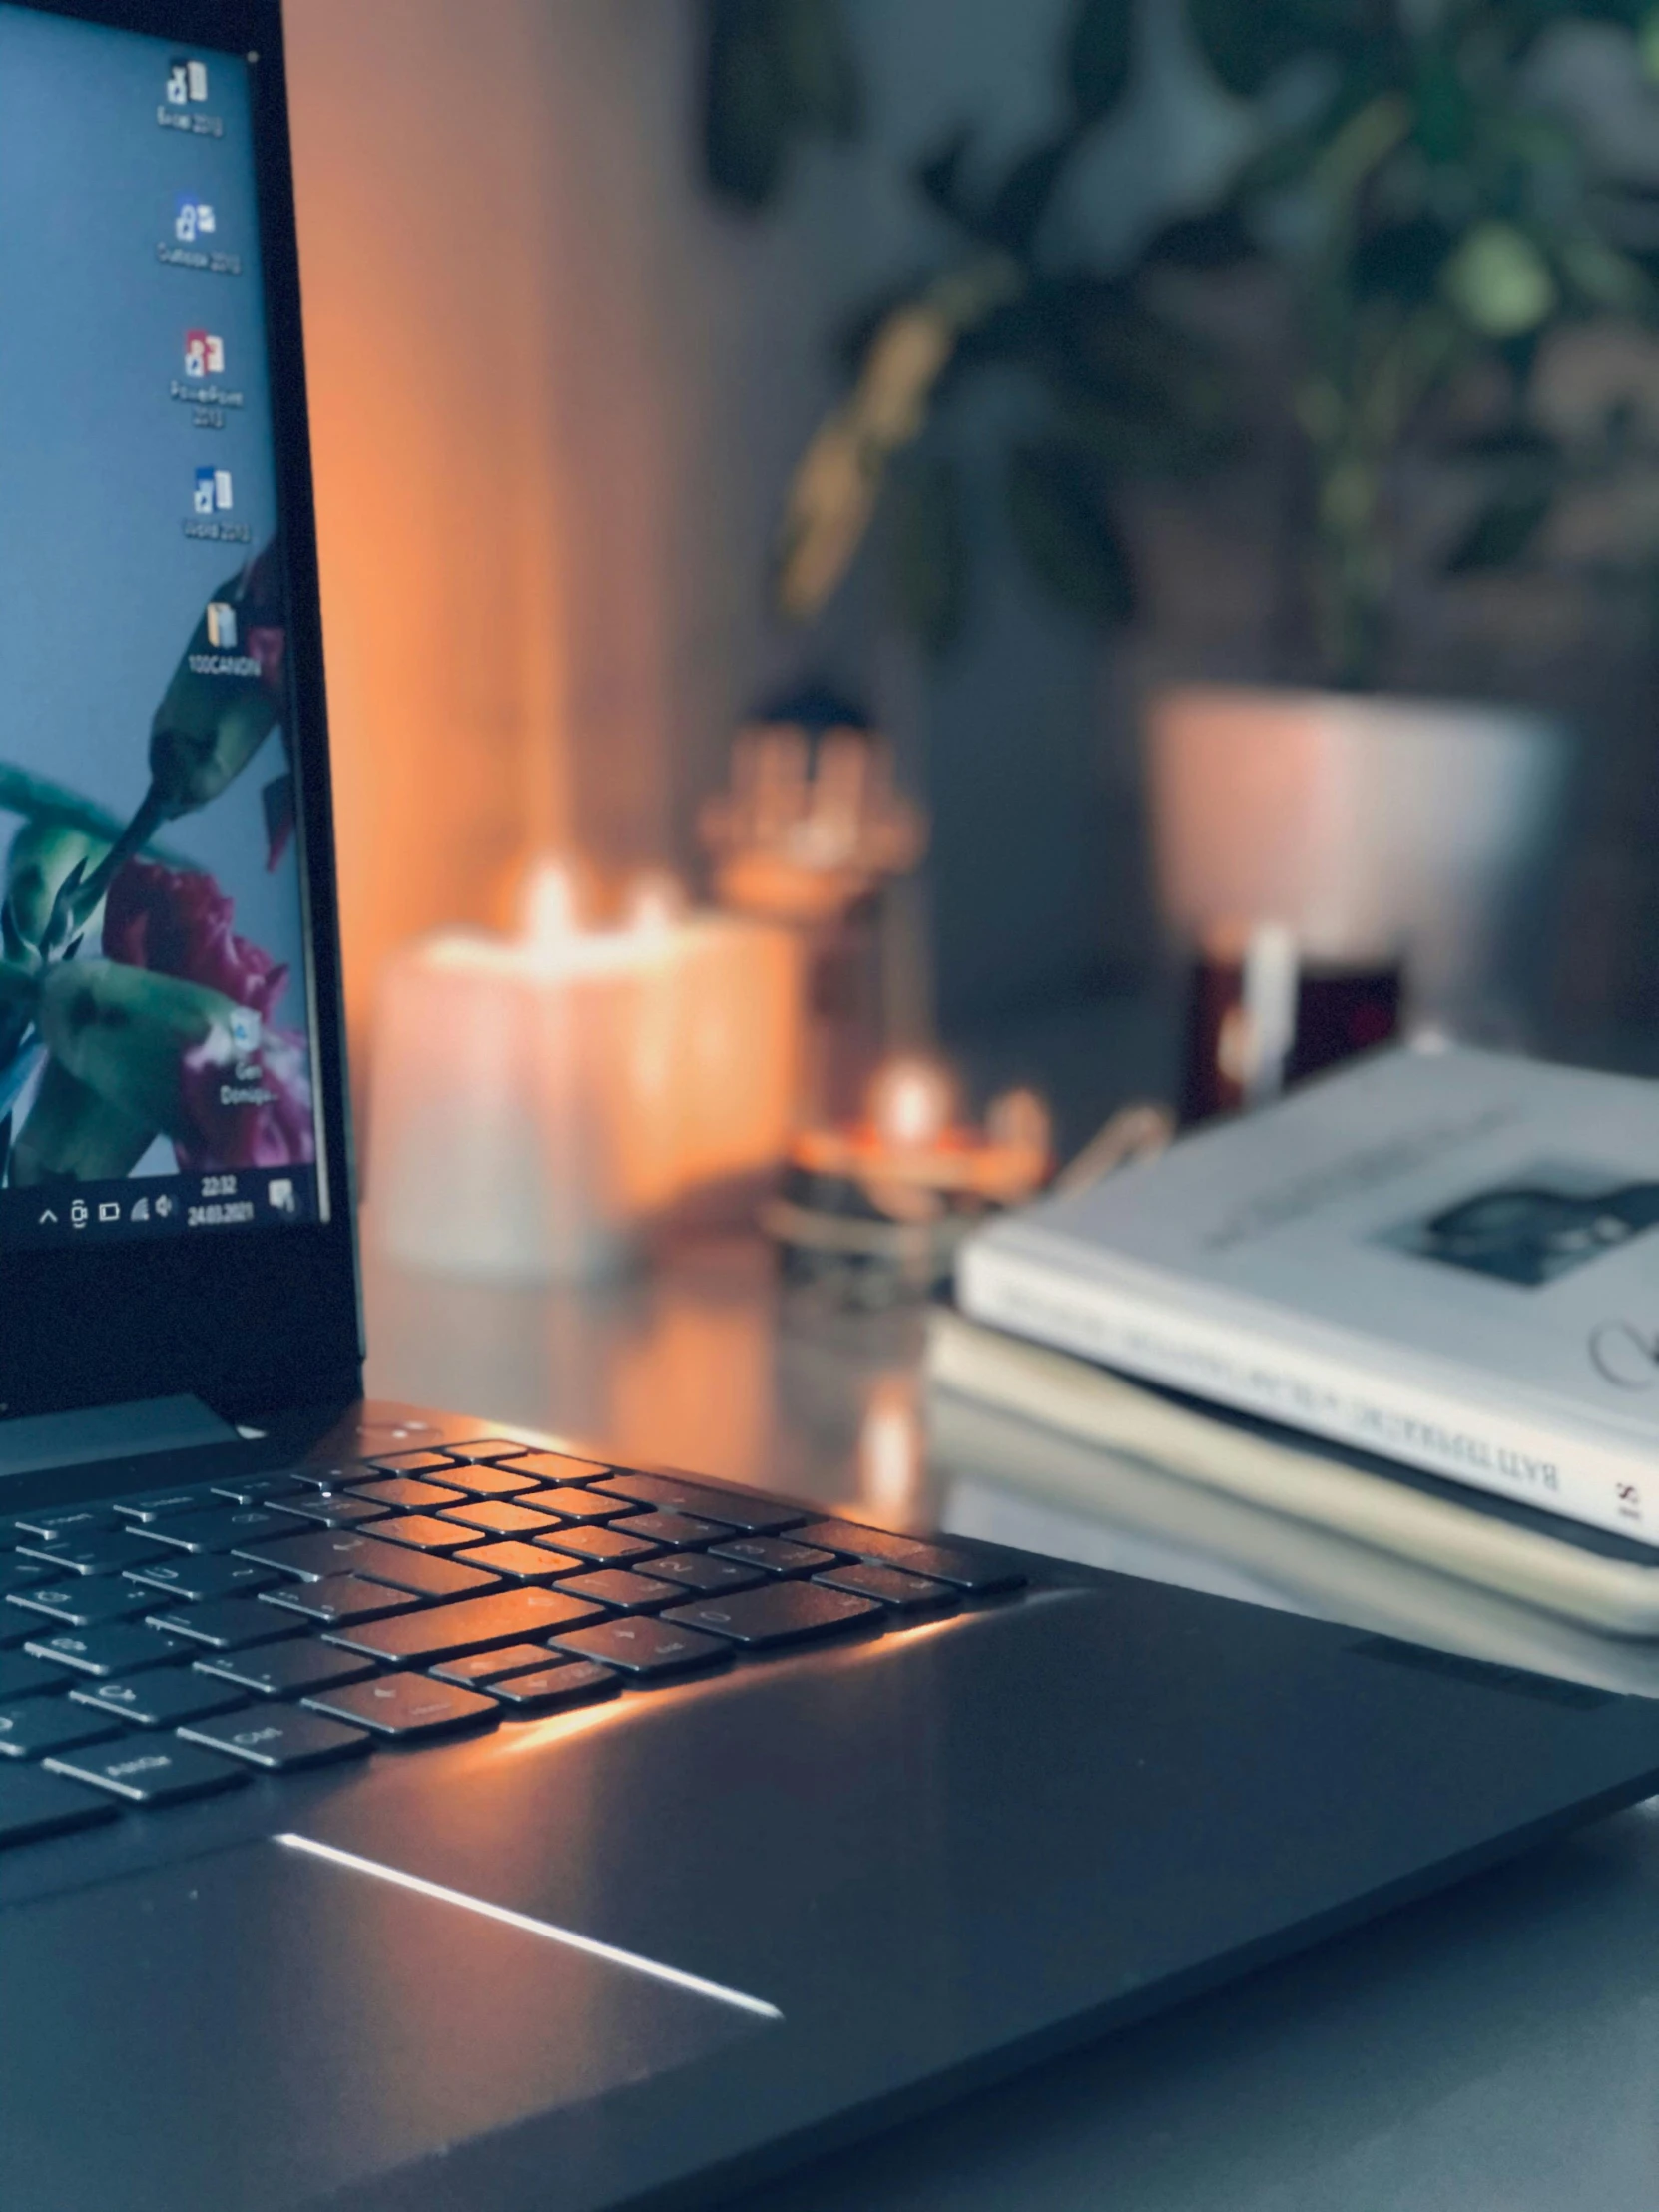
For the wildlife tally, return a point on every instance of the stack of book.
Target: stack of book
(1416, 1303)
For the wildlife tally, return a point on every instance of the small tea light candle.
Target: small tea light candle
(538, 1101)
(882, 1204)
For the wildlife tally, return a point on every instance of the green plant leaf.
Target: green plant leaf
(73, 1133)
(1100, 52)
(1026, 194)
(817, 66)
(776, 71)
(1246, 42)
(748, 105)
(42, 857)
(1215, 240)
(928, 551)
(1500, 533)
(1060, 512)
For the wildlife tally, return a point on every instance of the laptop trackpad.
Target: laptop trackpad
(264, 2024)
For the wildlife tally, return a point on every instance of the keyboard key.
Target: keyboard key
(675, 1531)
(117, 1650)
(21, 1676)
(84, 1605)
(227, 1624)
(703, 1572)
(203, 1576)
(581, 1505)
(781, 1614)
(33, 1804)
(400, 1494)
(744, 1511)
(524, 1562)
(484, 1449)
(558, 1466)
(550, 1689)
(646, 1648)
(775, 1555)
(344, 1552)
(408, 1707)
(600, 1547)
(471, 1624)
(224, 1528)
(161, 1698)
(339, 1600)
(256, 1489)
(475, 1667)
(98, 1551)
(942, 1562)
(281, 1741)
(20, 1575)
(424, 1532)
(288, 1670)
(61, 1520)
(330, 1509)
(161, 1505)
(406, 1462)
(619, 1591)
(150, 1772)
(906, 1594)
(48, 1724)
(328, 1477)
(499, 1516)
(488, 1481)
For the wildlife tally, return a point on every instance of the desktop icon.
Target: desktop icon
(141, 1209)
(213, 491)
(186, 82)
(221, 625)
(193, 219)
(244, 1026)
(203, 354)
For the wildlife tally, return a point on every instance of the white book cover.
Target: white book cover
(1447, 1257)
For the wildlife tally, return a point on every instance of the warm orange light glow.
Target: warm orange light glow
(912, 1102)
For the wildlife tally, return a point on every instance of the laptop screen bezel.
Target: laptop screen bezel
(249, 1320)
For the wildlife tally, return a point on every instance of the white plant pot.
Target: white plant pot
(1371, 828)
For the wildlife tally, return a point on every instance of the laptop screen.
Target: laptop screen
(157, 1044)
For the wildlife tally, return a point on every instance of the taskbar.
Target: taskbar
(157, 1206)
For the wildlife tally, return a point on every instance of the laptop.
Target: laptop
(396, 1812)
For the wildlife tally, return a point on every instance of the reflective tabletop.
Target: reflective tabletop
(1495, 2048)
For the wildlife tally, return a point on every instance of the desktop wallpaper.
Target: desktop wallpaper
(152, 994)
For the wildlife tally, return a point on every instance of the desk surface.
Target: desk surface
(1496, 2047)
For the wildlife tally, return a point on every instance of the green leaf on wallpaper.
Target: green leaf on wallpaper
(73, 1132)
(928, 551)
(1060, 512)
(124, 1032)
(1500, 533)
(36, 798)
(1100, 53)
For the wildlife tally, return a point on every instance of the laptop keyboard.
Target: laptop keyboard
(171, 1646)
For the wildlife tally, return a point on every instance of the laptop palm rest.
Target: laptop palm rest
(377, 2022)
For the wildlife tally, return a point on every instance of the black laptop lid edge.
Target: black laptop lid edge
(251, 1320)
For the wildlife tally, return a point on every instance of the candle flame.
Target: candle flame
(656, 903)
(911, 1103)
(549, 914)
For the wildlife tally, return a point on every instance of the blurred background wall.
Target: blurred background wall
(558, 392)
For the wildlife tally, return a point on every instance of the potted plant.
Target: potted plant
(1420, 226)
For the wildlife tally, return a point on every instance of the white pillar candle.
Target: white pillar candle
(537, 1101)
